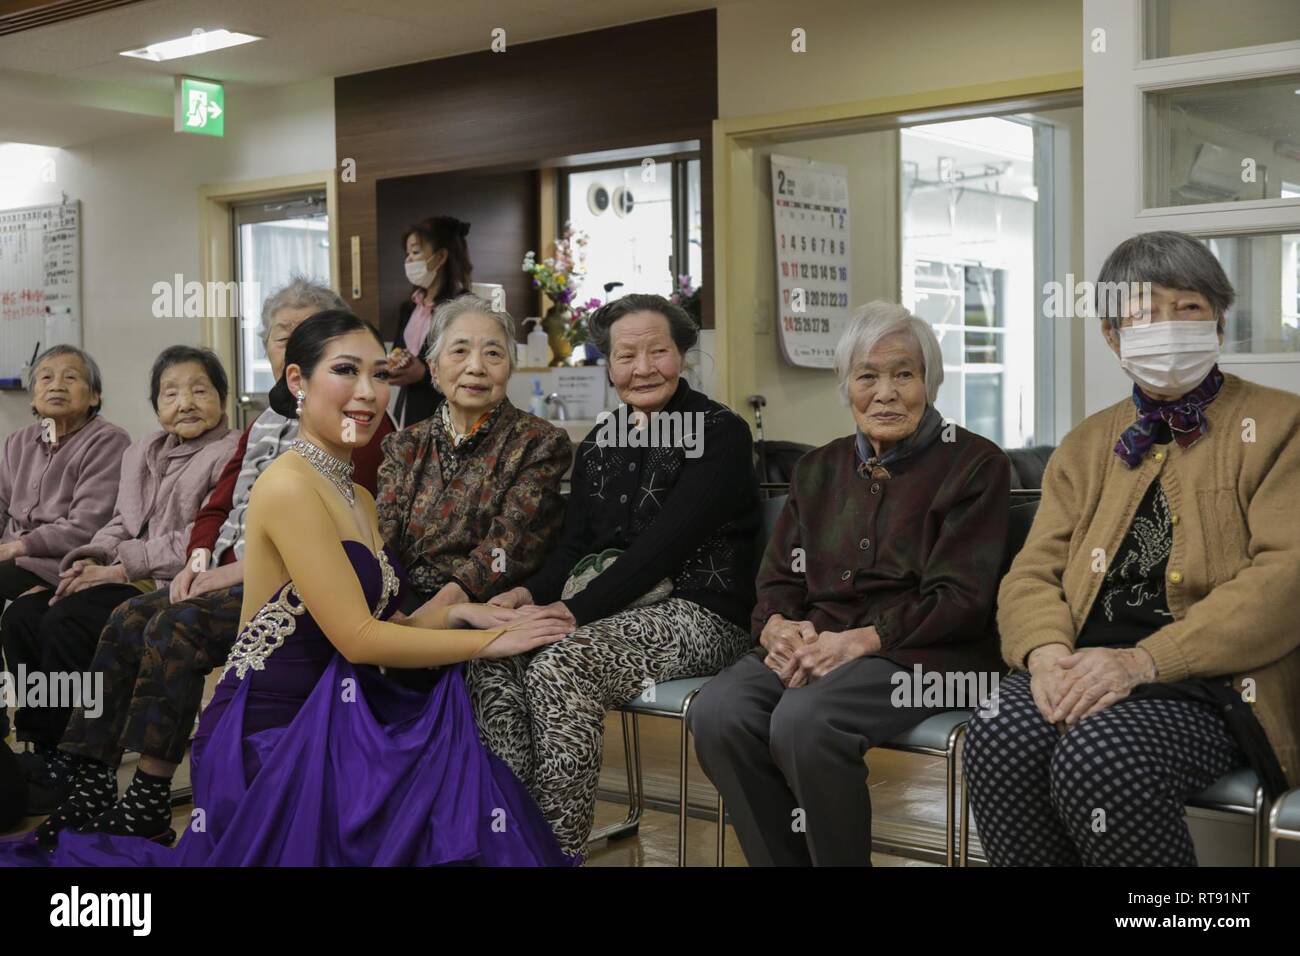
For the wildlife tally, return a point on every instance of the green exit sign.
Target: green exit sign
(200, 107)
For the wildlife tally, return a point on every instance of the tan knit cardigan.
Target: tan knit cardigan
(1233, 577)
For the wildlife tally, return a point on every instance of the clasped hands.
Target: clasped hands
(798, 653)
(404, 367)
(1069, 685)
(85, 573)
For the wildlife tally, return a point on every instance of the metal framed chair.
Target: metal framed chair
(940, 736)
(1283, 822)
(1239, 791)
(672, 699)
(937, 736)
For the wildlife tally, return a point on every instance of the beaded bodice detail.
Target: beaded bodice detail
(270, 627)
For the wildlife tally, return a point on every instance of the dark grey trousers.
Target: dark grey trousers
(789, 763)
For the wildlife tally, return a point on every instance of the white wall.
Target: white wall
(859, 49)
(140, 225)
(803, 404)
(855, 51)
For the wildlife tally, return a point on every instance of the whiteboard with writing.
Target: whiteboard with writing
(810, 216)
(40, 282)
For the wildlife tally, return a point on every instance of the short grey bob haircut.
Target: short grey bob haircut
(871, 323)
(467, 304)
(299, 293)
(94, 378)
(1174, 260)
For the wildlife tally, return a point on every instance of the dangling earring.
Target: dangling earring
(301, 395)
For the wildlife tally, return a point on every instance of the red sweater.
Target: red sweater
(208, 522)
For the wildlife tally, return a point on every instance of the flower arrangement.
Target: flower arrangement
(688, 297)
(579, 331)
(558, 276)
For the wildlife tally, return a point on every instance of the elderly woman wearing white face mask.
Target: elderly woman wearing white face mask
(1153, 588)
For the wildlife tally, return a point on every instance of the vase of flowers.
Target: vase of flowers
(558, 277)
(555, 323)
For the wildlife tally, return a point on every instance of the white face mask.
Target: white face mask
(420, 274)
(1169, 356)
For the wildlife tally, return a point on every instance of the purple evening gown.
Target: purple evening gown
(306, 760)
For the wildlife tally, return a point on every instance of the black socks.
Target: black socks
(94, 789)
(144, 810)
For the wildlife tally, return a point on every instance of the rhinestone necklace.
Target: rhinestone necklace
(337, 471)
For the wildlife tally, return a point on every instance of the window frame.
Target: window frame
(680, 215)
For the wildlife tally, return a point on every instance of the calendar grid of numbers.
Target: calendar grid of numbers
(810, 215)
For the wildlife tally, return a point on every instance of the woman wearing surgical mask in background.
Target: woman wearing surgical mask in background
(1153, 596)
(439, 269)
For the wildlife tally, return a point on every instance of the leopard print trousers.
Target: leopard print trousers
(543, 713)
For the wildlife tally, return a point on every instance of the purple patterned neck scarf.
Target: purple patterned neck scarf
(1185, 416)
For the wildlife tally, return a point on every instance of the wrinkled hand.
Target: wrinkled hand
(12, 549)
(179, 589)
(485, 616)
(1096, 677)
(556, 609)
(1047, 678)
(829, 651)
(214, 579)
(406, 371)
(515, 597)
(781, 637)
(85, 573)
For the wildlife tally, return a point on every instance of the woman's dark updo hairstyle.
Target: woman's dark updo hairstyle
(447, 232)
(307, 346)
(681, 326)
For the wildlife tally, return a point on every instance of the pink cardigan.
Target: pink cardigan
(55, 497)
(164, 483)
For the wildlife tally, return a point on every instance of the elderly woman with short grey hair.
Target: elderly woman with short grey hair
(1147, 618)
(884, 560)
(165, 478)
(58, 476)
(654, 568)
(469, 498)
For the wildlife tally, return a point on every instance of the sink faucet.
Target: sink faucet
(561, 410)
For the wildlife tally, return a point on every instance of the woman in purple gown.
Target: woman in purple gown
(307, 755)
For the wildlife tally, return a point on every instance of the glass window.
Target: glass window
(644, 224)
(969, 221)
(1222, 142)
(694, 224)
(983, 394)
(1182, 27)
(274, 241)
(1265, 272)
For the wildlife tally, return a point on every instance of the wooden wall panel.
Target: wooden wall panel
(636, 85)
(502, 210)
